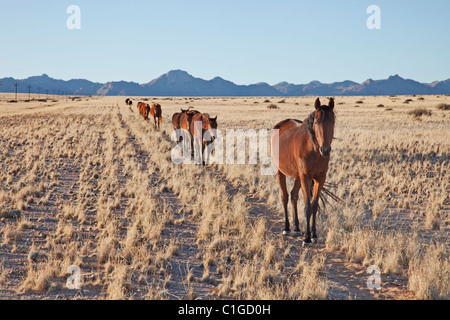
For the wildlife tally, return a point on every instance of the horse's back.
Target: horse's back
(286, 124)
(156, 110)
(176, 120)
(285, 144)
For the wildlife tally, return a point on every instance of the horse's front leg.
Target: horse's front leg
(294, 199)
(281, 178)
(317, 188)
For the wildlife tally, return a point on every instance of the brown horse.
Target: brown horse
(176, 119)
(140, 106)
(186, 119)
(156, 113)
(200, 123)
(144, 109)
(301, 150)
(184, 122)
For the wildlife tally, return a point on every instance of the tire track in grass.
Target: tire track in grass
(59, 173)
(184, 268)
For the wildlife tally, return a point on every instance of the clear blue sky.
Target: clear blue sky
(244, 41)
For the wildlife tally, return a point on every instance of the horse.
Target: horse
(140, 107)
(301, 150)
(156, 113)
(145, 111)
(176, 119)
(185, 120)
(198, 132)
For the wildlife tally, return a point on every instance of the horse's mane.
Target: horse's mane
(309, 122)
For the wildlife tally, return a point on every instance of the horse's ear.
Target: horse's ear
(317, 104)
(214, 118)
(331, 104)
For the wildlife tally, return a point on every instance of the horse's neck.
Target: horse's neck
(309, 139)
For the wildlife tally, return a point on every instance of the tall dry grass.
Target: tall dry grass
(91, 184)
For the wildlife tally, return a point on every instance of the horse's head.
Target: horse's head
(323, 126)
(211, 123)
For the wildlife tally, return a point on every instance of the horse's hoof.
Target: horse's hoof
(314, 240)
(306, 244)
(286, 232)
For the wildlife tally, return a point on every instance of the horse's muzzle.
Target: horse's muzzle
(325, 151)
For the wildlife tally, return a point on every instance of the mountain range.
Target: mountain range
(181, 83)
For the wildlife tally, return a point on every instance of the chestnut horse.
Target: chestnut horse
(185, 120)
(156, 113)
(176, 119)
(303, 154)
(144, 109)
(140, 106)
(198, 130)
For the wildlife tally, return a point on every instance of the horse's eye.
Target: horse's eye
(316, 122)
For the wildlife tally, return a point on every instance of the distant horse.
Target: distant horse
(156, 113)
(144, 109)
(303, 154)
(198, 132)
(185, 120)
(140, 107)
(176, 119)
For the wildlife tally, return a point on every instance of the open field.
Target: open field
(87, 182)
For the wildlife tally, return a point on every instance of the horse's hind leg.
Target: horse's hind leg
(281, 178)
(294, 199)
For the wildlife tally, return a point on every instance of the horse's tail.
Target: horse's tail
(325, 194)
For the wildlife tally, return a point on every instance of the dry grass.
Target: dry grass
(443, 106)
(89, 183)
(418, 112)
